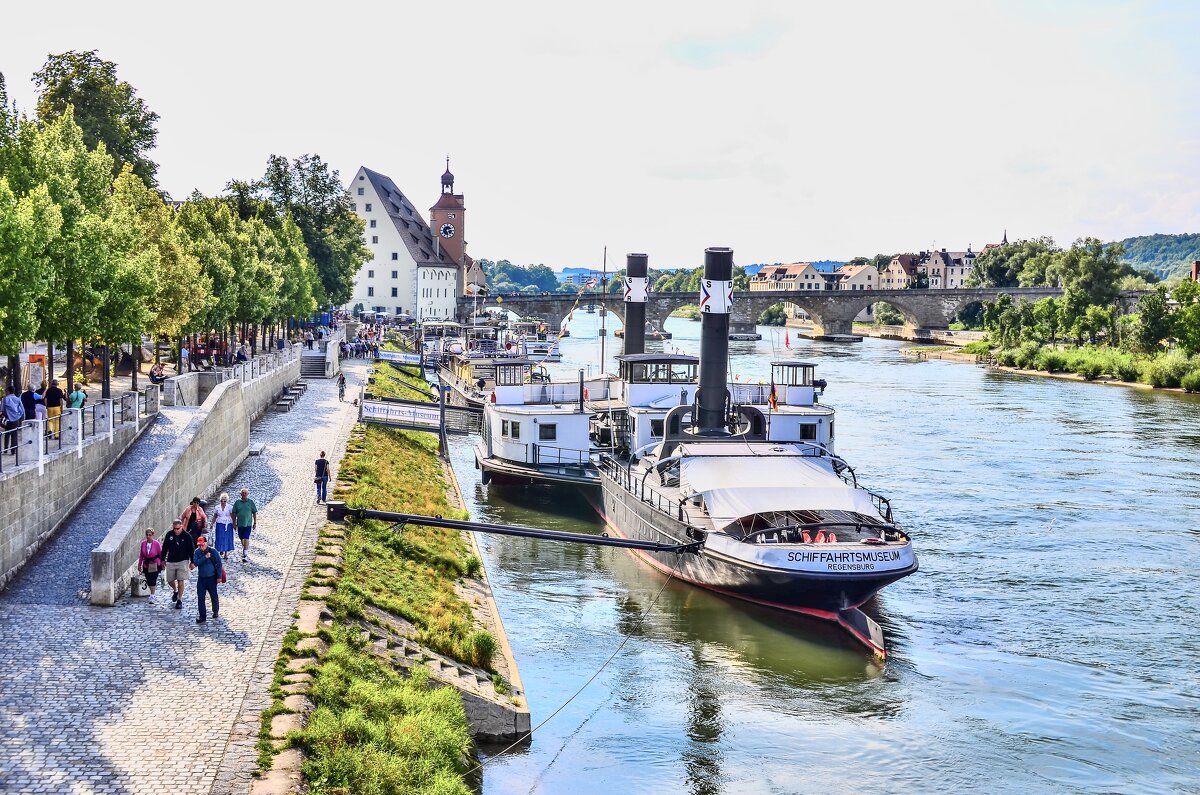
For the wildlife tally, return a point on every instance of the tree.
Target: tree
(1187, 317)
(314, 196)
(1155, 322)
(1045, 312)
(1002, 266)
(108, 110)
(27, 226)
(1092, 268)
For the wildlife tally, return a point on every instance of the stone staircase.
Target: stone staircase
(312, 366)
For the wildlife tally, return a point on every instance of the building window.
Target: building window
(399, 311)
(370, 291)
(504, 427)
(395, 255)
(354, 207)
(808, 432)
(374, 238)
(370, 274)
(516, 429)
(395, 274)
(368, 208)
(362, 192)
(372, 223)
(547, 433)
(395, 292)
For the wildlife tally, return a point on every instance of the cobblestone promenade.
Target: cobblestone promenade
(137, 698)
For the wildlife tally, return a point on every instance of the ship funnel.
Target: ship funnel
(716, 302)
(636, 285)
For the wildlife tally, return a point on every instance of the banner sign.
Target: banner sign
(716, 296)
(397, 356)
(636, 288)
(414, 416)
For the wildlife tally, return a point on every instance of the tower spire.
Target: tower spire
(1003, 242)
(447, 178)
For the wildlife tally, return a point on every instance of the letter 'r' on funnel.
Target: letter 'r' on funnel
(716, 302)
(636, 287)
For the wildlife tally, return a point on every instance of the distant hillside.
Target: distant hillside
(1166, 255)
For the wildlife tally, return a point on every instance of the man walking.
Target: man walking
(177, 551)
(14, 416)
(245, 514)
(208, 566)
(54, 398)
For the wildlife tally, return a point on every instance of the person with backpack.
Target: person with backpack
(209, 568)
(195, 521)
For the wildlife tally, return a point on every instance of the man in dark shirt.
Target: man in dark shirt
(29, 401)
(54, 398)
(177, 550)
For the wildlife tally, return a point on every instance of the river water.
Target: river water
(1048, 644)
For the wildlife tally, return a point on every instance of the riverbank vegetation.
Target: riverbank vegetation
(688, 312)
(1159, 344)
(773, 315)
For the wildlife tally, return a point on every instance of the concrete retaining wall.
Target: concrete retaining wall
(33, 505)
(182, 390)
(205, 456)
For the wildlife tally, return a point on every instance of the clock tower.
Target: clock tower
(447, 222)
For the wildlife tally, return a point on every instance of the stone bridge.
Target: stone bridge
(832, 311)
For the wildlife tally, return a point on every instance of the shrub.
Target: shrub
(1166, 371)
(1025, 354)
(1191, 381)
(1090, 369)
(1051, 361)
(978, 347)
(472, 566)
(1122, 366)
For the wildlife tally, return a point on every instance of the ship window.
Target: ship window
(504, 427)
(516, 429)
(683, 374)
(831, 430)
(808, 432)
(656, 428)
(547, 433)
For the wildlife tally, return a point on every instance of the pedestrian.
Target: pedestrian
(177, 550)
(341, 385)
(14, 417)
(185, 360)
(245, 515)
(308, 339)
(150, 561)
(54, 398)
(77, 397)
(223, 519)
(194, 519)
(209, 567)
(39, 402)
(29, 402)
(322, 476)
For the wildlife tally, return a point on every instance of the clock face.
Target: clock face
(447, 230)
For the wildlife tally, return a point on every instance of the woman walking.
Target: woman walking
(223, 518)
(150, 561)
(322, 476)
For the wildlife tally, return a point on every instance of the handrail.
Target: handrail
(818, 525)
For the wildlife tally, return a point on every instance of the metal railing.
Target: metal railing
(635, 484)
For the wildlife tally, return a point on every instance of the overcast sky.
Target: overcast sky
(786, 130)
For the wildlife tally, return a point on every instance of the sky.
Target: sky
(786, 130)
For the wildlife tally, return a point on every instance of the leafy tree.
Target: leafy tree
(1162, 255)
(773, 315)
(208, 227)
(1002, 266)
(1046, 314)
(1091, 267)
(1072, 308)
(179, 280)
(313, 194)
(27, 227)
(107, 109)
(887, 315)
(1187, 317)
(1155, 321)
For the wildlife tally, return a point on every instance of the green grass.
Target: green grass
(390, 381)
(409, 572)
(376, 732)
(978, 347)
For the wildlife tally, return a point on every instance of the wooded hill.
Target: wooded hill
(1166, 255)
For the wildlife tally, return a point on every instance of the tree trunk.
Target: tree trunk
(49, 362)
(14, 373)
(137, 363)
(105, 383)
(70, 366)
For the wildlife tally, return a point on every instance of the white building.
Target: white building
(410, 271)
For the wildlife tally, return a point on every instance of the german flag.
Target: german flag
(773, 398)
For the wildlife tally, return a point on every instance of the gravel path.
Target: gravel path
(61, 574)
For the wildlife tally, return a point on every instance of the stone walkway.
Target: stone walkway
(137, 699)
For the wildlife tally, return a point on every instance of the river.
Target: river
(1048, 643)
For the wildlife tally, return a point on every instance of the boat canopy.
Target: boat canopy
(737, 486)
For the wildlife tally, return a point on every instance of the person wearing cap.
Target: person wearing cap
(177, 550)
(150, 561)
(194, 519)
(208, 565)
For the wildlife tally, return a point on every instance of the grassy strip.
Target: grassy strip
(377, 731)
(409, 572)
(1164, 370)
(391, 381)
